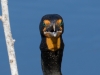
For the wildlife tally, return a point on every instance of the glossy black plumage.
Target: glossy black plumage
(51, 60)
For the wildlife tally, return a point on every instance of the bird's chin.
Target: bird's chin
(52, 34)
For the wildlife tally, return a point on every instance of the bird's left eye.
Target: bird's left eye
(61, 23)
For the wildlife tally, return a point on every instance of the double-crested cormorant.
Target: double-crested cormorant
(51, 30)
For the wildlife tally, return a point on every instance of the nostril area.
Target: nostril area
(51, 29)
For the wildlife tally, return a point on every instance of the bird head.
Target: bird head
(51, 25)
(51, 30)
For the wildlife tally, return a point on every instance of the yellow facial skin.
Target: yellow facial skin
(53, 43)
(59, 22)
(46, 22)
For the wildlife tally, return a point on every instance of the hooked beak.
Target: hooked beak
(53, 30)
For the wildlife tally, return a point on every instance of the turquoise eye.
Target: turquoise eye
(61, 23)
(44, 24)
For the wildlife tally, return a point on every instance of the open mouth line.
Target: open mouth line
(54, 34)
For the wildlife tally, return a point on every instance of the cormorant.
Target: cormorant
(52, 46)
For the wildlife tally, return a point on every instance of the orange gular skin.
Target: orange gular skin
(53, 44)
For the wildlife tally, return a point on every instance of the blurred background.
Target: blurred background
(81, 35)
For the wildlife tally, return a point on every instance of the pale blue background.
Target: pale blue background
(81, 36)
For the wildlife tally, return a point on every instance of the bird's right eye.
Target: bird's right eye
(44, 24)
